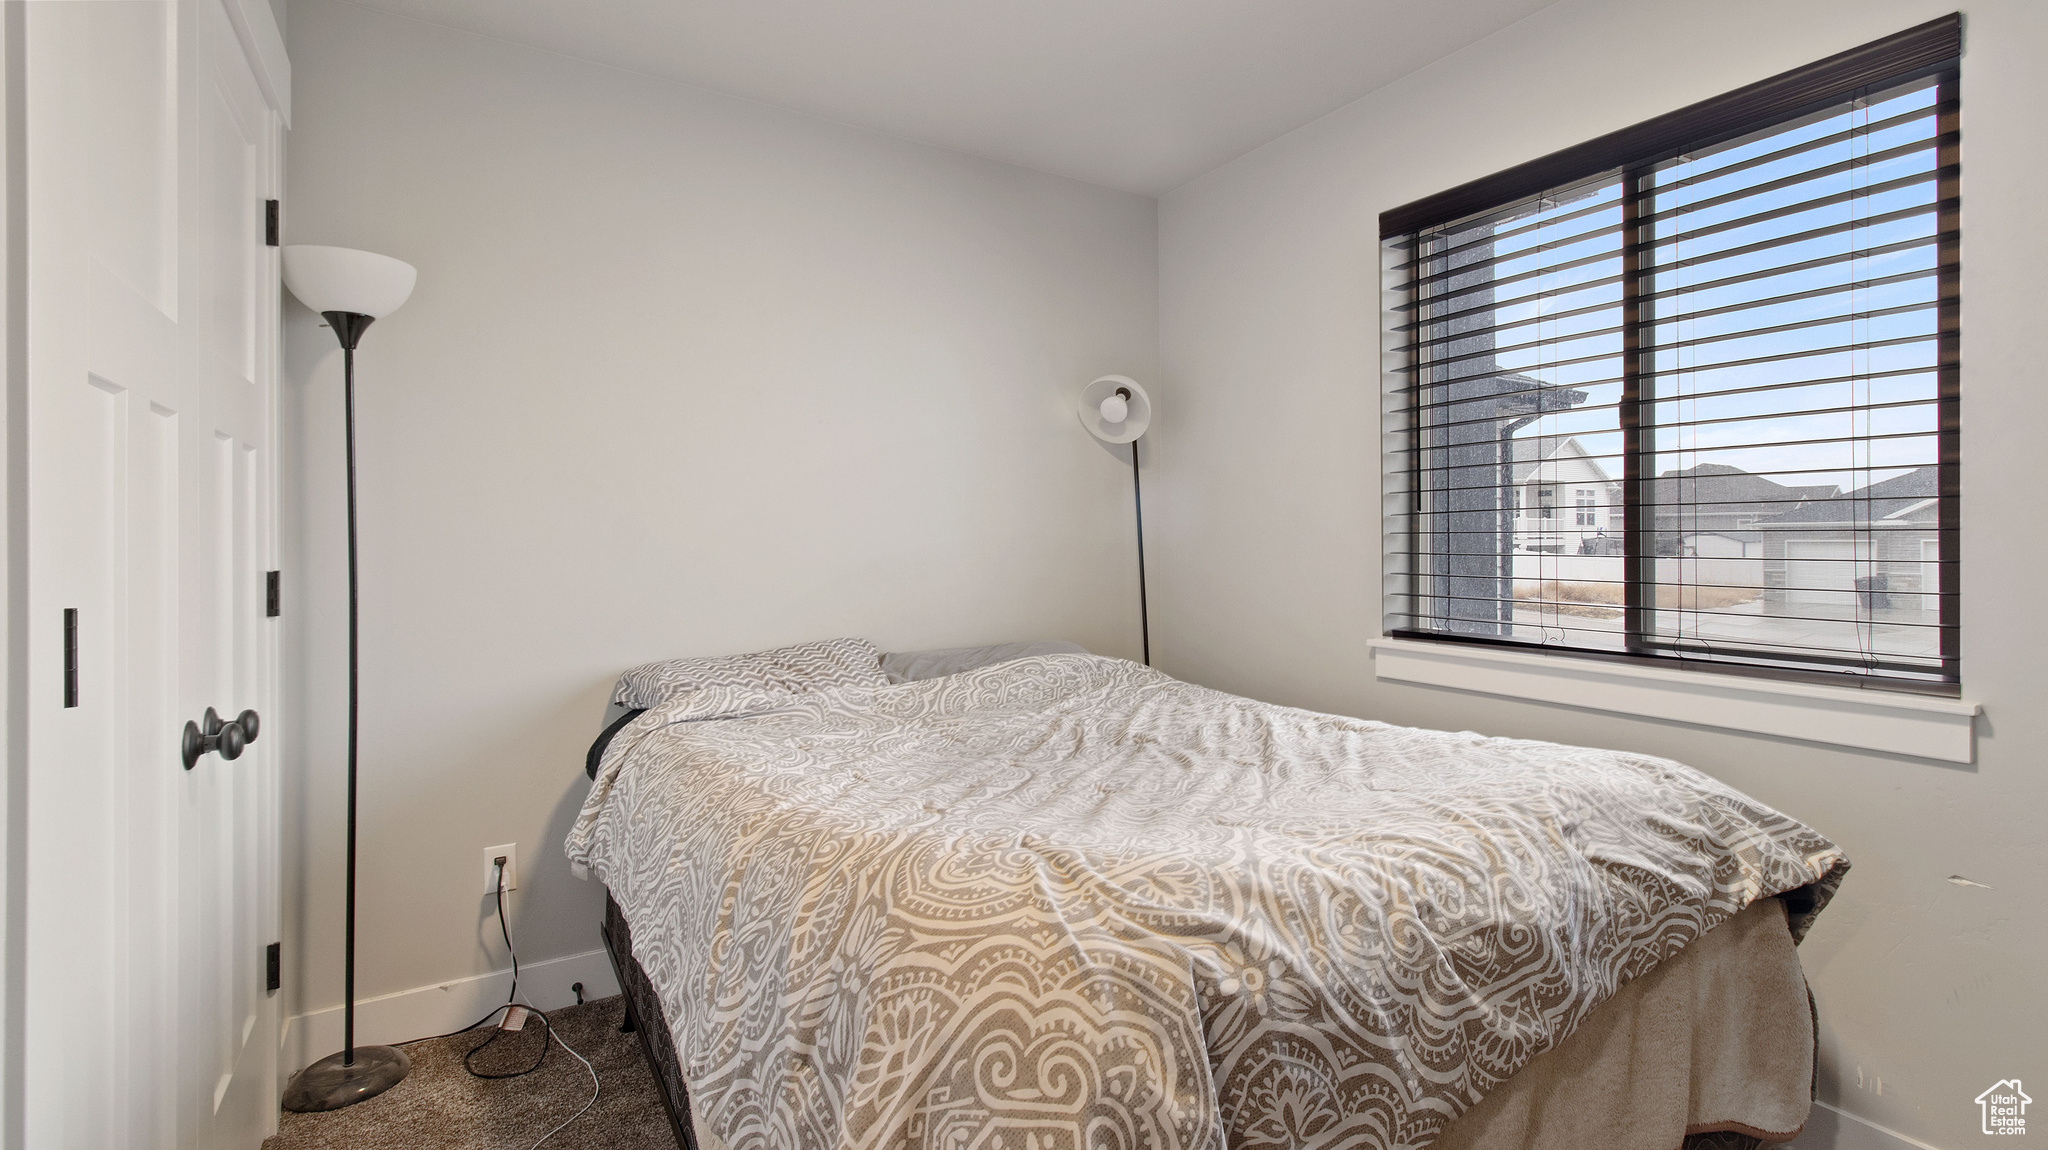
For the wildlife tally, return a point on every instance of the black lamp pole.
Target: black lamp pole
(353, 1075)
(349, 327)
(1144, 612)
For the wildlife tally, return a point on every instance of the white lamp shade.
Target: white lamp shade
(344, 279)
(1137, 413)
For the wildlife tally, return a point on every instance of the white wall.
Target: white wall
(1264, 495)
(683, 375)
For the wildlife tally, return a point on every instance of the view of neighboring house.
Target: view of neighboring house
(1874, 551)
(1816, 551)
(1712, 510)
(1563, 501)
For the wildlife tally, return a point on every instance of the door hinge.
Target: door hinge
(273, 599)
(270, 222)
(70, 656)
(273, 966)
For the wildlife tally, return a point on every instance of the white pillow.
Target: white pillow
(798, 670)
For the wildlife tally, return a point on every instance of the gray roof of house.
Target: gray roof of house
(1719, 488)
(1866, 505)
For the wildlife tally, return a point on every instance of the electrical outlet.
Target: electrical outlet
(510, 853)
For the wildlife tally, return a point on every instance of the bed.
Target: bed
(1063, 900)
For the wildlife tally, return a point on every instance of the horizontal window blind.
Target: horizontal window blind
(1697, 401)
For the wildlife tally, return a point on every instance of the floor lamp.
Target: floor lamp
(350, 289)
(1115, 409)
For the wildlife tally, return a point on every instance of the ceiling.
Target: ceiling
(1134, 94)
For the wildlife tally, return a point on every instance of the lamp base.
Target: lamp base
(329, 1085)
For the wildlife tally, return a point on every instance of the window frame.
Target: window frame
(1931, 50)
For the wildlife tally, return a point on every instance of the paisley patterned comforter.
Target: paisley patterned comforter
(1070, 903)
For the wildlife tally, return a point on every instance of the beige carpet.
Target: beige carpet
(440, 1107)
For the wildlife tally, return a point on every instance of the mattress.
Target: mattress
(1069, 901)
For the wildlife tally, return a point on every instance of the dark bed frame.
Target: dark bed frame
(644, 1017)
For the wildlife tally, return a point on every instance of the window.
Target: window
(1742, 318)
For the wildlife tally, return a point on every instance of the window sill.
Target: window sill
(1918, 725)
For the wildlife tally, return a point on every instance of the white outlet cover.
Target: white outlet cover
(511, 853)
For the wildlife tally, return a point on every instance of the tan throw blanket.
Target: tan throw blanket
(1069, 902)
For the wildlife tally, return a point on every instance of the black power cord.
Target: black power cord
(548, 1036)
(511, 1000)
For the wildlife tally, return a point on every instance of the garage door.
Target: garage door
(1822, 572)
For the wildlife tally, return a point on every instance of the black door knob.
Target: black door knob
(211, 734)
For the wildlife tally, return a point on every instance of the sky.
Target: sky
(1741, 209)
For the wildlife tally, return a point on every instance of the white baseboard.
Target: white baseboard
(1832, 1128)
(436, 1009)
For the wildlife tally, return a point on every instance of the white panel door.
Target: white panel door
(152, 889)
